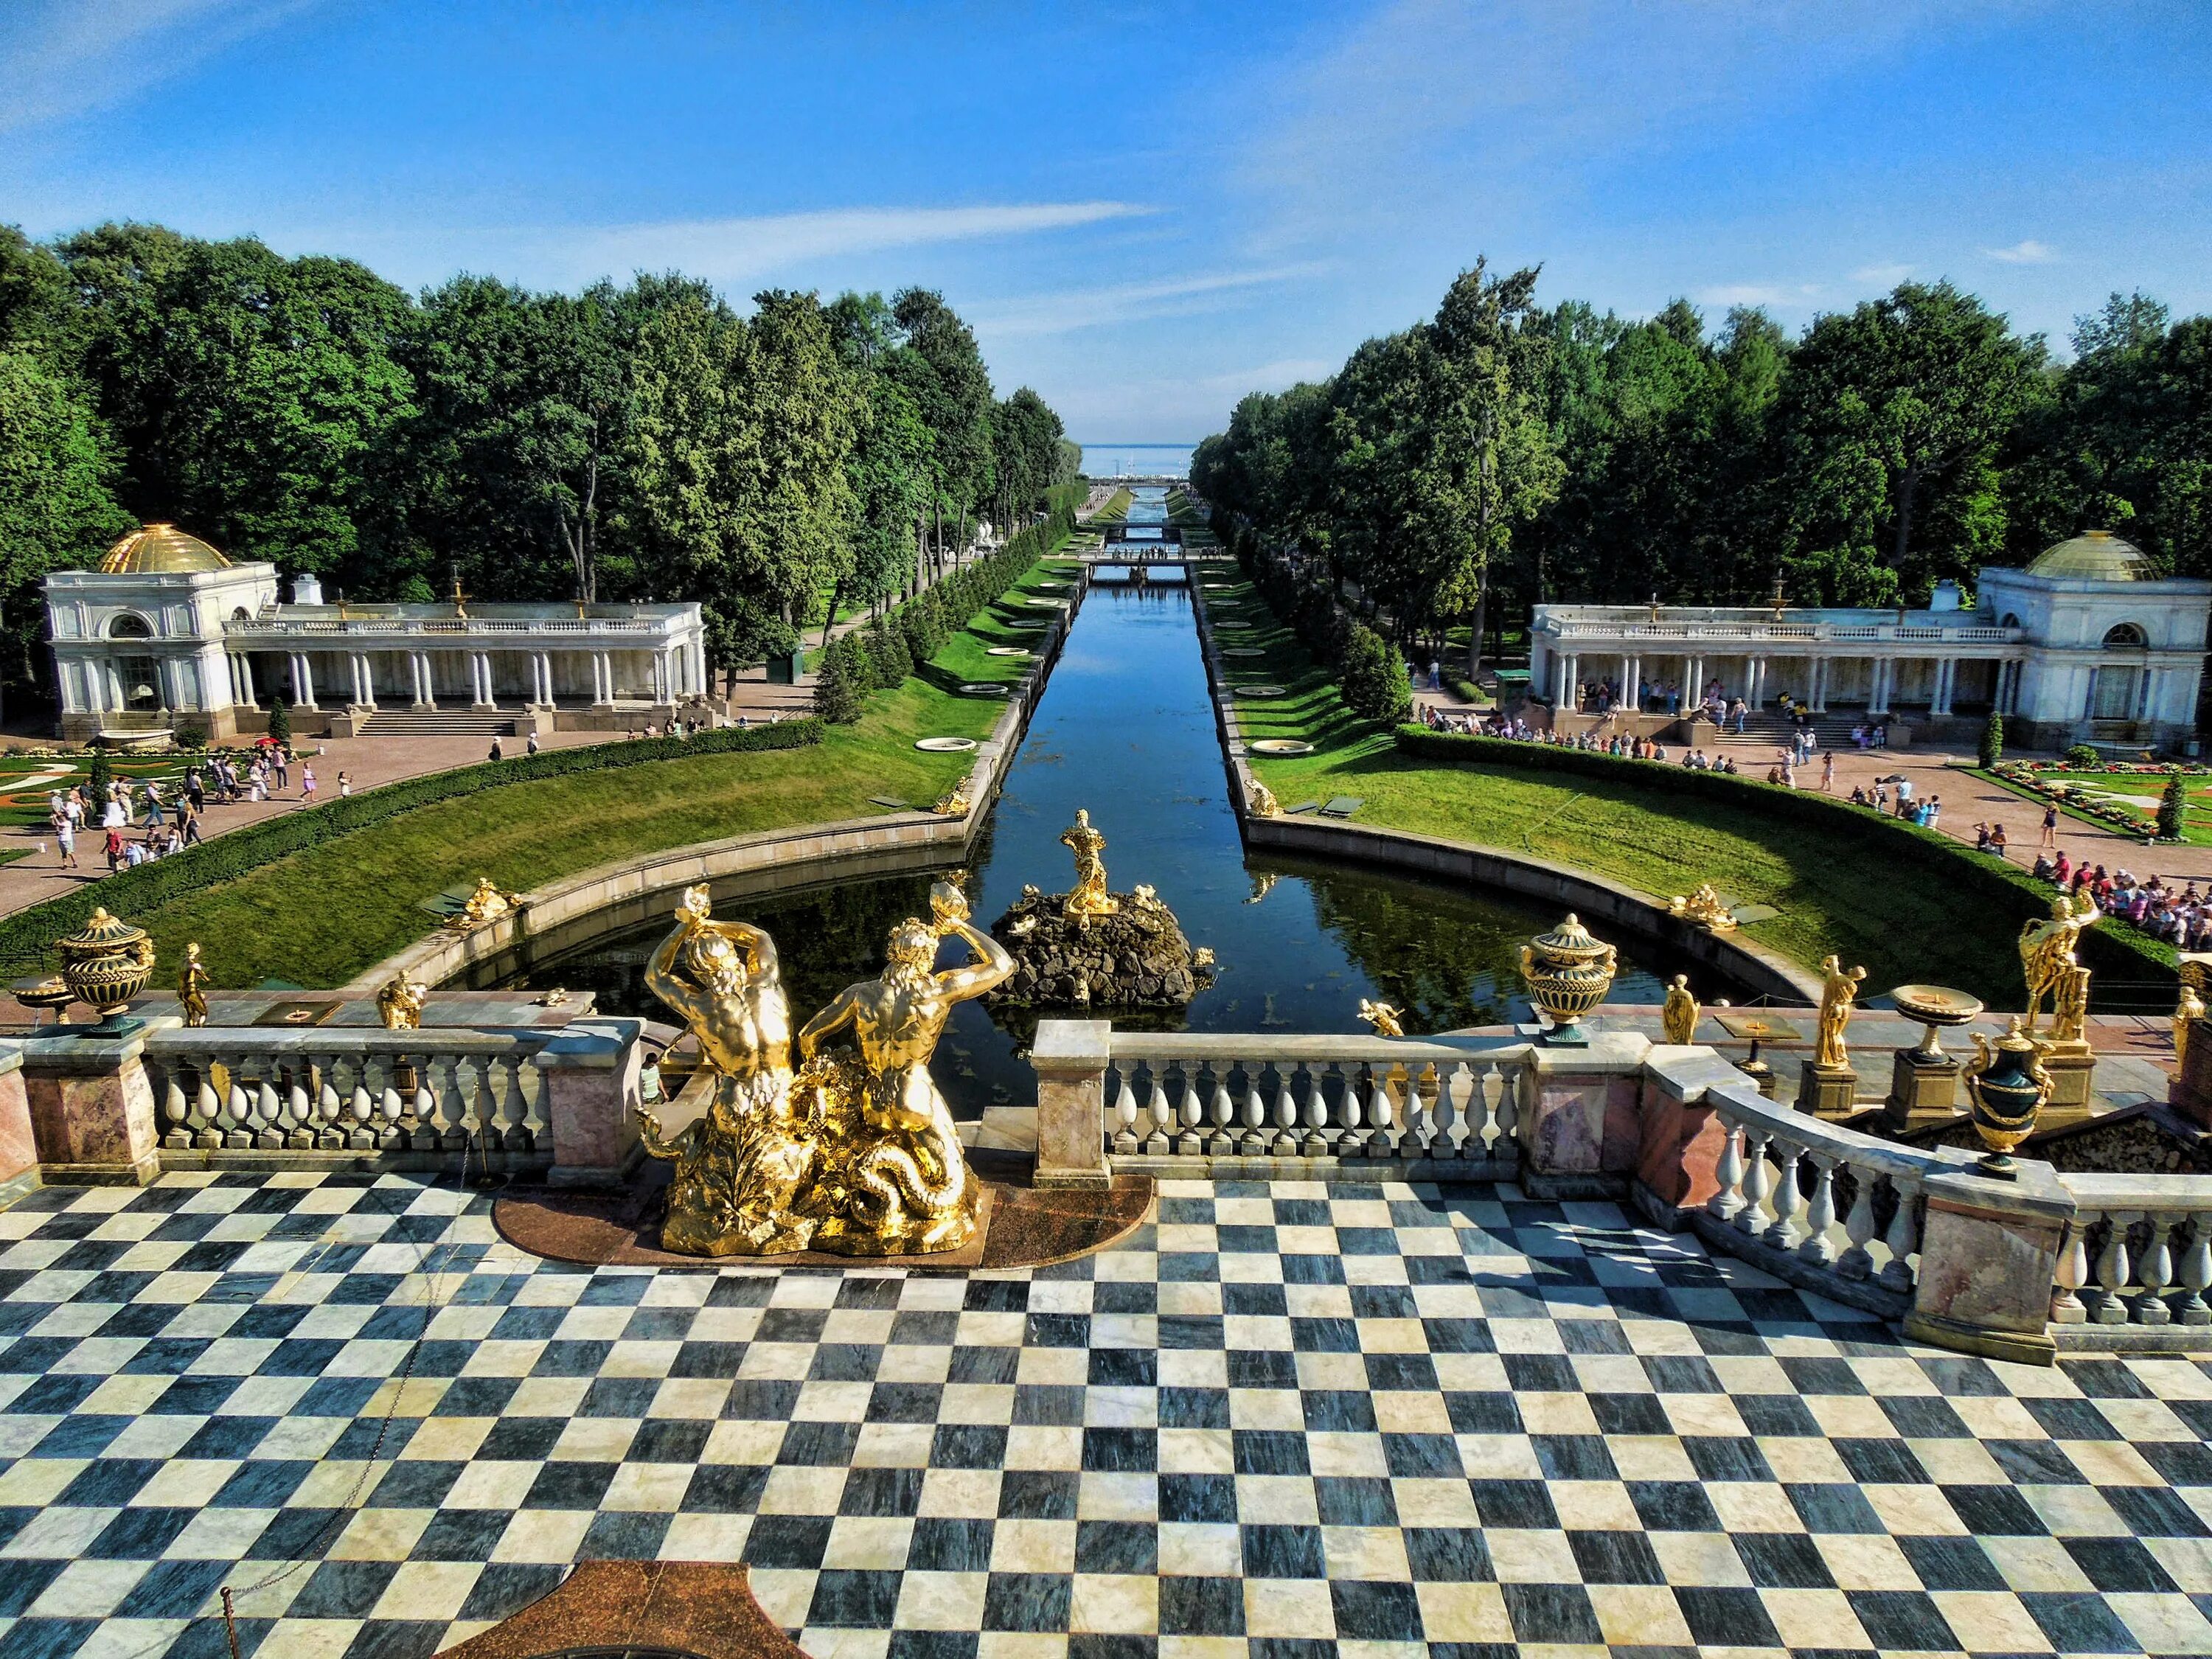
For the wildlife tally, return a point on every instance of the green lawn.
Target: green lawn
(322, 916)
(2139, 792)
(1903, 923)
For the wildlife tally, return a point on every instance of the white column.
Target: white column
(1633, 694)
(429, 679)
(2146, 702)
(1574, 680)
(1694, 694)
(606, 677)
(1885, 672)
(303, 678)
(1559, 679)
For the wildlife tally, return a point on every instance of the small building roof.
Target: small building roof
(2096, 555)
(159, 550)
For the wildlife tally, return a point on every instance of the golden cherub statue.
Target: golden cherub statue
(953, 802)
(485, 904)
(2188, 1011)
(1705, 907)
(2046, 955)
(192, 986)
(897, 1176)
(399, 1003)
(1382, 1017)
(1838, 990)
(1090, 897)
(1680, 1016)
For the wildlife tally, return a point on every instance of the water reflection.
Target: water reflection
(1125, 728)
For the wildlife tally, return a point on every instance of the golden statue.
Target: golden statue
(399, 1003)
(2188, 1011)
(1680, 1016)
(1838, 988)
(1382, 1017)
(2069, 1006)
(487, 903)
(193, 983)
(1090, 897)
(953, 802)
(1262, 803)
(1705, 907)
(2046, 955)
(899, 1181)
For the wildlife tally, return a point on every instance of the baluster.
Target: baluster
(267, 1109)
(1504, 1098)
(2068, 1275)
(2112, 1268)
(1387, 1114)
(1728, 1177)
(1425, 1101)
(2155, 1272)
(1902, 1238)
(1286, 1112)
(421, 1102)
(1452, 1139)
(238, 1112)
(1316, 1140)
(1156, 1101)
(1758, 1182)
(207, 1114)
(174, 1109)
(298, 1106)
(1221, 1140)
(1858, 1261)
(522, 1132)
(390, 1135)
(1819, 1213)
(453, 1109)
(1789, 1198)
(330, 1105)
(1193, 1141)
(1125, 1116)
(362, 1137)
(2196, 1274)
(1254, 1141)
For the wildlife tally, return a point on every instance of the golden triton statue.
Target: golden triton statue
(1090, 897)
(1680, 1016)
(2047, 959)
(193, 983)
(897, 1181)
(399, 1003)
(1837, 989)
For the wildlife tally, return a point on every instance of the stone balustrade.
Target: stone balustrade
(2135, 1260)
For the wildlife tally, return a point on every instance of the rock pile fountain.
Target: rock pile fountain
(1090, 946)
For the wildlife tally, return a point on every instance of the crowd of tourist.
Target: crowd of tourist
(2183, 919)
(139, 822)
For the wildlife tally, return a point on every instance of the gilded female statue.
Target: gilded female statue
(192, 986)
(900, 1183)
(1837, 989)
(1090, 897)
(1680, 1016)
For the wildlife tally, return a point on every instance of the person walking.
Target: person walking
(308, 785)
(1828, 773)
(115, 848)
(530, 747)
(155, 818)
(65, 828)
(345, 787)
(2049, 839)
(284, 768)
(188, 818)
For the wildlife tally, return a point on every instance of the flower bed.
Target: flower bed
(2028, 777)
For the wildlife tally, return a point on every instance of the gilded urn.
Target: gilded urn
(105, 963)
(1568, 974)
(2007, 1086)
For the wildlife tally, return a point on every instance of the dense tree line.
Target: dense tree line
(1563, 454)
(633, 441)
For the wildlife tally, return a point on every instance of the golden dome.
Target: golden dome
(2098, 556)
(159, 550)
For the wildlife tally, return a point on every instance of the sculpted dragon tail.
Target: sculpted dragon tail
(889, 1174)
(649, 1131)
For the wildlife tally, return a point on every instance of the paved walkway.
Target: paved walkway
(367, 761)
(1288, 1421)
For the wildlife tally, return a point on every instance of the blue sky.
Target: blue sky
(1148, 210)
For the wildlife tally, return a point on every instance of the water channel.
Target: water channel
(1125, 728)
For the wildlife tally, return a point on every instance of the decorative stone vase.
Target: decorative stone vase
(1568, 974)
(2007, 1086)
(106, 964)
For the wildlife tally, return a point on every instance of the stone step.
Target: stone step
(437, 723)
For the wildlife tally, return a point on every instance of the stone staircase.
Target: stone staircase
(1769, 729)
(437, 723)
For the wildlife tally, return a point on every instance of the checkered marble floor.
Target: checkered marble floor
(1288, 1421)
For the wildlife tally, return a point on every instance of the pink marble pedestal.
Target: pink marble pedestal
(91, 1108)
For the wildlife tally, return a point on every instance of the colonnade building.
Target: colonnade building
(168, 629)
(2087, 645)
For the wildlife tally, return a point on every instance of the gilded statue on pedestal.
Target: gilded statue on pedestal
(1703, 906)
(1262, 803)
(897, 1181)
(1680, 1016)
(2188, 1011)
(192, 986)
(2047, 959)
(1090, 897)
(487, 903)
(399, 1003)
(1838, 990)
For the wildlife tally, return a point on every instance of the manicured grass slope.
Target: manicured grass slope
(1903, 923)
(322, 916)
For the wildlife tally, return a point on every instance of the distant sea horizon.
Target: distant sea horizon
(1109, 460)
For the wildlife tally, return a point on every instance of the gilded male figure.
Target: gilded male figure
(1090, 897)
(904, 1185)
(2047, 953)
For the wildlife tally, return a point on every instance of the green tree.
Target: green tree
(1992, 747)
(888, 653)
(954, 397)
(2171, 807)
(280, 720)
(98, 778)
(837, 692)
(1374, 677)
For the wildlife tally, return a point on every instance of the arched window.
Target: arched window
(2126, 634)
(129, 626)
(2010, 620)
(241, 615)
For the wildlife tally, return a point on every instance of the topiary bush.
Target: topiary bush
(2081, 755)
(836, 691)
(280, 719)
(2171, 806)
(1993, 741)
(99, 778)
(888, 653)
(1373, 680)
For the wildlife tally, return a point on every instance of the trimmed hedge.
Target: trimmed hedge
(27, 936)
(1981, 877)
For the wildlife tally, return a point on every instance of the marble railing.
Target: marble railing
(2137, 1254)
(266, 627)
(444, 1093)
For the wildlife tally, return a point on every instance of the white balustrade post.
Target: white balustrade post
(1728, 1176)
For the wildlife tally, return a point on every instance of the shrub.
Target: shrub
(1374, 679)
(1993, 740)
(836, 691)
(190, 733)
(280, 719)
(26, 935)
(100, 779)
(2081, 755)
(888, 652)
(2171, 806)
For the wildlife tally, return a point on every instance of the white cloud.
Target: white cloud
(1069, 309)
(1882, 276)
(2029, 253)
(73, 57)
